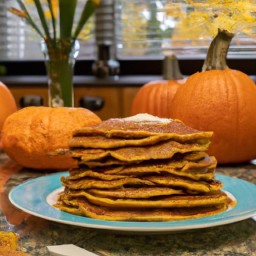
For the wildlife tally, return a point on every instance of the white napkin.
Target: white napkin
(68, 250)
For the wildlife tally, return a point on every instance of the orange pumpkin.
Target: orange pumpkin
(221, 100)
(30, 134)
(155, 97)
(7, 104)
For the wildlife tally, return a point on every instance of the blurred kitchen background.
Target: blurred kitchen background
(124, 47)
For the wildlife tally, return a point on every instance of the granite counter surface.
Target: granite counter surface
(36, 233)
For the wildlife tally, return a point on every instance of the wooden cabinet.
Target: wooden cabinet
(117, 100)
(128, 95)
(21, 91)
(112, 97)
(117, 93)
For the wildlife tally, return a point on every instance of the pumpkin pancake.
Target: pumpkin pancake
(83, 207)
(166, 180)
(173, 201)
(150, 169)
(161, 150)
(128, 128)
(99, 180)
(176, 162)
(93, 183)
(81, 173)
(66, 208)
(113, 173)
(108, 161)
(204, 169)
(143, 192)
(185, 183)
(192, 156)
(197, 174)
(105, 142)
(208, 161)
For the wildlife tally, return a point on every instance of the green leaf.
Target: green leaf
(29, 19)
(88, 10)
(67, 10)
(42, 18)
(53, 19)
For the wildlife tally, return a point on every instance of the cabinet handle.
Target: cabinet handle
(92, 103)
(30, 100)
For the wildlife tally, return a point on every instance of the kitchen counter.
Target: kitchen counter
(36, 233)
(117, 81)
(89, 80)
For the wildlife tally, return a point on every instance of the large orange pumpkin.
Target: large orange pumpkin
(221, 100)
(155, 97)
(7, 104)
(30, 134)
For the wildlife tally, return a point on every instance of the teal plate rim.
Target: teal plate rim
(33, 197)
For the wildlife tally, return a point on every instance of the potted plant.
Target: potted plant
(60, 45)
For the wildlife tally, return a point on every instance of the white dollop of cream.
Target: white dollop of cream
(144, 117)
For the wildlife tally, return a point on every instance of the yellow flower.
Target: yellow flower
(97, 2)
(51, 26)
(55, 7)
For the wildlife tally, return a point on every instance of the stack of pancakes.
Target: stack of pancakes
(142, 168)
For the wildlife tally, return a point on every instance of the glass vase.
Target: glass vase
(60, 59)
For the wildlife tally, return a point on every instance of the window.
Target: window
(135, 30)
(149, 29)
(18, 42)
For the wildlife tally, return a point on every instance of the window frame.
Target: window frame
(127, 67)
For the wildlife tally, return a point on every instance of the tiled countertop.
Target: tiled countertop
(35, 233)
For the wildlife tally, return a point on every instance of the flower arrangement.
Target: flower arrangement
(54, 21)
(49, 10)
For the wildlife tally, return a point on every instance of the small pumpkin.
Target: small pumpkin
(30, 134)
(155, 97)
(221, 100)
(7, 104)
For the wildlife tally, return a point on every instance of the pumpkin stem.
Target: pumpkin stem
(171, 69)
(217, 52)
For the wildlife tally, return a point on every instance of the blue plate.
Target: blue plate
(36, 197)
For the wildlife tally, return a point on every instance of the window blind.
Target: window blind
(149, 29)
(19, 42)
(143, 29)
